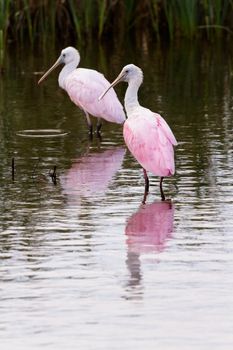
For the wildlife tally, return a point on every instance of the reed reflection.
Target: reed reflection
(147, 231)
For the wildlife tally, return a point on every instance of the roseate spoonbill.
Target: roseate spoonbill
(146, 134)
(84, 87)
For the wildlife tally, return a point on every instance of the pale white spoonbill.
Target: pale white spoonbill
(146, 134)
(84, 87)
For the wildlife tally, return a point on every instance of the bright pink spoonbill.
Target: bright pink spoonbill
(84, 87)
(146, 134)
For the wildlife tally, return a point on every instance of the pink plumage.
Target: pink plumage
(151, 141)
(147, 135)
(84, 87)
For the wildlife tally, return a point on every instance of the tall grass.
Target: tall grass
(47, 21)
(4, 22)
(187, 14)
(218, 19)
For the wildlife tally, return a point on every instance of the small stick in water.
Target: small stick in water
(53, 175)
(13, 168)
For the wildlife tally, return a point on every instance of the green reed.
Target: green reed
(154, 16)
(187, 16)
(102, 6)
(28, 20)
(170, 14)
(47, 21)
(4, 17)
(217, 18)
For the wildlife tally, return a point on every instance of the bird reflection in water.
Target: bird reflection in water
(147, 231)
(92, 173)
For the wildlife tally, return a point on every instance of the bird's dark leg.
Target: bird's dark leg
(146, 181)
(161, 189)
(144, 197)
(146, 186)
(89, 123)
(98, 127)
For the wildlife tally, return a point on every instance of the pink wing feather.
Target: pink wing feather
(166, 129)
(84, 86)
(151, 141)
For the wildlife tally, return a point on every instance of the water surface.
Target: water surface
(84, 264)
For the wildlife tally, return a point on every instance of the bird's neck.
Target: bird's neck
(66, 70)
(131, 97)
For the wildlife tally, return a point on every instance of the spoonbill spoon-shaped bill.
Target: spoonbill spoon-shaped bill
(84, 87)
(147, 135)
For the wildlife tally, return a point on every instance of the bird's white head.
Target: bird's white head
(68, 56)
(130, 74)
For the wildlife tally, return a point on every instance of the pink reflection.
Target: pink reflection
(149, 227)
(92, 173)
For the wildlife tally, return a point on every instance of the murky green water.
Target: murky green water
(83, 264)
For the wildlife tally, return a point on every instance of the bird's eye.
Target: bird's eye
(127, 71)
(64, 55)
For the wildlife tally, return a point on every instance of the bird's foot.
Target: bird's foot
(163, 198)
(145, 197)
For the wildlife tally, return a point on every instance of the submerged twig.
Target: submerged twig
(13, 168)
(53, 175)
